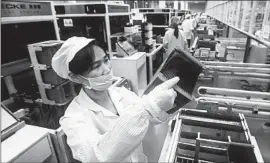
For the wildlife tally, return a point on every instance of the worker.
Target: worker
(103, 123)
(188, 26)
(174, 38)
(195, 21)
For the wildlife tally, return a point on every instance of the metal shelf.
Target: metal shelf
(15, 67)
(9, 20)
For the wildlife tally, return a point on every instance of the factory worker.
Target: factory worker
(103, 123)
(174, 38)
(188, 26)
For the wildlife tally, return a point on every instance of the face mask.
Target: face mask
(100, 83)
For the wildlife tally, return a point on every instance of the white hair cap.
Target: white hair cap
(187, 16)
(61, 59)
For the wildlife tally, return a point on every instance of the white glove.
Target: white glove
(162, 97)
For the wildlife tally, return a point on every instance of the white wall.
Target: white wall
(175, 5)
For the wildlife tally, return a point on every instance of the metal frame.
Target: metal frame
(105, 15)
(158, 11)
(14, 127)
(61, 145)
(214, 70)
(21, 65)
(62, 150)
(238, 69)
(236, 64)
(33, 48)
(150, 55)
(211, 91)
(186, 116)
(28, 19)
(256, 102)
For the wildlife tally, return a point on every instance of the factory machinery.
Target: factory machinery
(242, 76)
(203, 136)
(223, 124)
(251, 103)
(30, 87)
(218, 129)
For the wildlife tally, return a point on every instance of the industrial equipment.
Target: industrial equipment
(236, 64)
(147, 36)
(254, 105)
(239, 69)
(242, 76)
(248, 69)
(10, 124)
(24, 143)
(203, 136)
(20, 28)
(159, 17)
(22, 23)
(122, 67)
(258, 100)
(53, 89)
(164, 15)
(181, 13)
(97, 20)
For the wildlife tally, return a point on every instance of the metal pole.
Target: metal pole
(56, 28)
(197, 149)
(108, 30)
(10, 85)
(247, 50)
(227, 31)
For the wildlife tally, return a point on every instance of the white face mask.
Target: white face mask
(100, 83)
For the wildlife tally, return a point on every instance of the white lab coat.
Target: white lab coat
(174, 42)
(95, 134)
(188, 26)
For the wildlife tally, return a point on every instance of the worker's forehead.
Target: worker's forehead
(99, 53)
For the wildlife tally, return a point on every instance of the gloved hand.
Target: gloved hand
(162, 97)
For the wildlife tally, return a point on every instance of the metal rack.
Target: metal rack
(236, 64)
(22, 23)
(203, 136)
(248, 102)
(53, 89)
(245, 76)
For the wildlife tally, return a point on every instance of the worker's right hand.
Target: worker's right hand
(162, 97)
